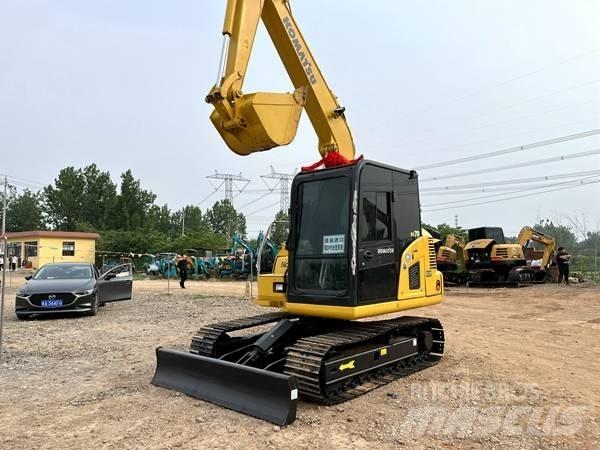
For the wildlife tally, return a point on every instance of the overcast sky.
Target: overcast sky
(122, 84)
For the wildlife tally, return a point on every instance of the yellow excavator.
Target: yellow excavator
(538, 269)
(448, 261)
(355, 250)
(493, 262)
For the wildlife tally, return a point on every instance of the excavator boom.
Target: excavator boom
(529, 234)
(260, 121)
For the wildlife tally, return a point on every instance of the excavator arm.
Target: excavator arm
(260, 121)
(452, 240)
(529, 234)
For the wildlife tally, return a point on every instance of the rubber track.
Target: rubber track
(306, 358)
(203, 342)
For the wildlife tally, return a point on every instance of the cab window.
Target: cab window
(375, 219)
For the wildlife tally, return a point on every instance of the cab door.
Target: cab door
(116, 284)
(376, 261)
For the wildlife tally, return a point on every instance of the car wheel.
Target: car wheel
(22, 316)
(94, 310)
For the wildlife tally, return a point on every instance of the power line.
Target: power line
(283, 181)
(514, 197)
(522, 189)
(207, 197)
(262, 209)
(257, 199)
(517, 165)
(431, 132)
(230, 181)
(506, 151)
(494, 86)
(505, 189)
(515, 181)
(530, 100)
(25, 180)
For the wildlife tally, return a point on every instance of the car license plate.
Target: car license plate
(56, 303)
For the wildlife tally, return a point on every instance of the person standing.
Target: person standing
(14, 262)
(1, 261)
(182, 266)
(563, 260)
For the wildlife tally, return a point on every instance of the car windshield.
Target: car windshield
(66, 272)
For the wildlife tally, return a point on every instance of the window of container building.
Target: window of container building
(31, 249)
(68, 249)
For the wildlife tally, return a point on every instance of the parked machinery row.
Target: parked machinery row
(488, 260)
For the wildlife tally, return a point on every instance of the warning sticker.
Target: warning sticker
(333, 243)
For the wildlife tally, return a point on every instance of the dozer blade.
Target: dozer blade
(267, 395)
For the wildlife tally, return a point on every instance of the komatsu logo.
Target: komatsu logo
(383, 251)
(299, 51)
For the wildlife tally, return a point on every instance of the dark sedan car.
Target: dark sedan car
(72, 288)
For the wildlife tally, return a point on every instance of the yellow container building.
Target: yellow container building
(36, 248)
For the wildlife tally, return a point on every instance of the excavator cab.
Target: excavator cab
(490, 260)
(355, 247)
(349, 228)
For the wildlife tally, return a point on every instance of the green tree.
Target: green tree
(223, 219)
(138, 241)
(11, 194)
(194, 220)
(198, 242)
(159, 218)
(98, 199)
(24, 212)
(444, 229)
(63, 201)
(562, 234)
(592, 241)
(281, 228)
(133, 204)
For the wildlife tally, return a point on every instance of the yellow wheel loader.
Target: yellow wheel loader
(355, 250)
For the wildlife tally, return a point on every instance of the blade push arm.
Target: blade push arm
(260, 121)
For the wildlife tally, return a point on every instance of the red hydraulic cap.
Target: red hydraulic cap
(331, 159)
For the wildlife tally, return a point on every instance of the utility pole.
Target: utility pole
(284, 187)
(455, 220)
(4, 245)
(231, 182)
(183, 221)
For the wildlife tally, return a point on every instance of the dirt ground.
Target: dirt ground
(521, 370)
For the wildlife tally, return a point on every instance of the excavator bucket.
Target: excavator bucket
(262, 121)
(260, 393)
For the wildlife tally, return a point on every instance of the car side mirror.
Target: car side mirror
(28, 277)
(110, 276)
